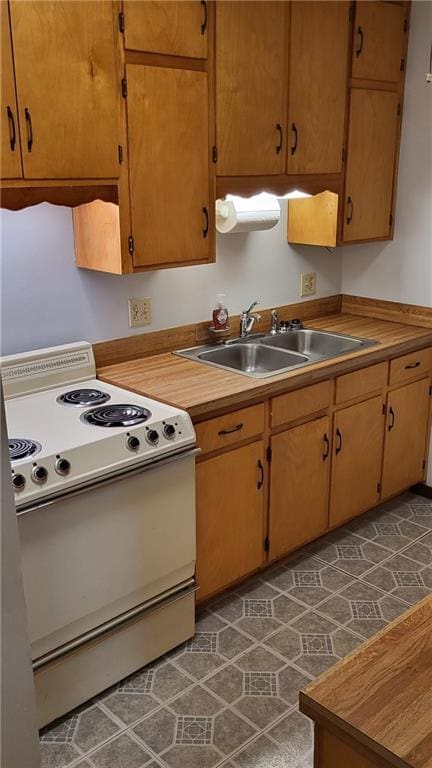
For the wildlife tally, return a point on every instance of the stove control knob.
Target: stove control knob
(169, 431)
(152, 437)
(39, 475)
(133, 443)
(62, 466)
(18, 482)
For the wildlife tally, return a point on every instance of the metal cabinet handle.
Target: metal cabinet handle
(351, 213)
(206, 225)
(360, 48)
(339, 445)
(279, 146)
(294, 146)
(326, 447)
(12, 131)
(393, 419)
(204, 23)
(413, 365)
(29, 129)
(237, 428)
(260, 482)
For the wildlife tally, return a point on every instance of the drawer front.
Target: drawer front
(230, 428)
(410, 366)
(358, 383)
(301, 402)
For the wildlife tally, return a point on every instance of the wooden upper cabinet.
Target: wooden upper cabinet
(250, 88)
(372, 141)
(171, 215)
(317, 86)
(407, 429)
(379, 41)
(170, 27)
(68, 88)
(10, 141)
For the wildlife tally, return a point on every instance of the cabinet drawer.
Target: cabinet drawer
(359, 383)
(301, 402)
(230, 428)
(410, 366)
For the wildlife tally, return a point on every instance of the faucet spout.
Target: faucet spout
(248, 320)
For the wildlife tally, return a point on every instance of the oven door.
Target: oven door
(90, 556)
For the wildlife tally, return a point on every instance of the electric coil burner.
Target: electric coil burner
(22, 448)
(83, 397)
(116, 416)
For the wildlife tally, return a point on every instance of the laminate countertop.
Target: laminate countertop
(203, 390)
(381, 695)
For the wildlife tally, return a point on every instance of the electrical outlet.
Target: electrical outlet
(308, 284)
(140, 312)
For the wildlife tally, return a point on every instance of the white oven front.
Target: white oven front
(91, 556)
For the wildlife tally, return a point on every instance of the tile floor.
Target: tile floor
(228, 697)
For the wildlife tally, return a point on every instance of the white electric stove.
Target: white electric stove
(104, 483)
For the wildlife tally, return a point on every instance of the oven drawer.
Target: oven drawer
(89, 557)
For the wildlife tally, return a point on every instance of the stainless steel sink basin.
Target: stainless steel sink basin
(263, 355)
(316, 345)
(253, 359)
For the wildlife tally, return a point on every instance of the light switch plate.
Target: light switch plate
(140, 312)
(308, 284)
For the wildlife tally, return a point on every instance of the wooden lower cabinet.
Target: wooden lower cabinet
(407, 428)
(299, 485)
(358, 433)
(230, 517)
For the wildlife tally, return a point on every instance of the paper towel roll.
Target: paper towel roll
(247, 214)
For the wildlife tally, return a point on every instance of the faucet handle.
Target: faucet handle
(251, 307)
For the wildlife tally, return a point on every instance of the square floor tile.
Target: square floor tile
(121, 752)
(386, 529)
(350, 552)
(421, 550)
(262, 753)
(295, 734)
(402, 577)
(412, 507)
(362, 608)
(85, 729)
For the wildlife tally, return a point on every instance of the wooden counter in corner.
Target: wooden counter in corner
(374, 708)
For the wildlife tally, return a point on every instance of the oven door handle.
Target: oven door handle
(120, 475)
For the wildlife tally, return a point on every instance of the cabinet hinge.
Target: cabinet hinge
(214, 153)
(430, 391)
(269, 454)
(124, 87)
(351, 12)
(121, 19)
(378, 487)
(399, 110)
(130, 244)
(384, 410)
(405, 25)
(424, 464)
(343, 154)
(402, 65)
(391, 219)
(120, 153)
(266, 544)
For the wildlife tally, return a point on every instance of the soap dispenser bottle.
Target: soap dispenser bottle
(220, 314)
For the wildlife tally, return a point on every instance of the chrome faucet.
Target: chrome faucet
(248, 320)
(274, 322)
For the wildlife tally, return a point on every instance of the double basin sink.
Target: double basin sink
(261, 355)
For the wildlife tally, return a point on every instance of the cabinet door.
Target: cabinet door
(168, 165)
(250, 88)
(318, 83)
(372, 140)
(10, 142)
(173, 27)
(299, 485)
(68, 88)
(378, 41)
(358, 435)
(230, 517)
(406, 436)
